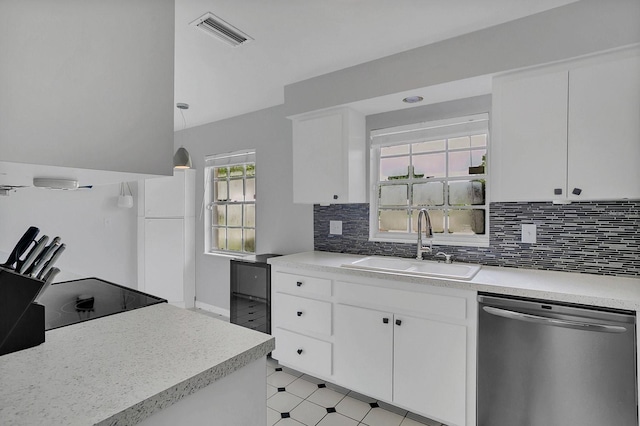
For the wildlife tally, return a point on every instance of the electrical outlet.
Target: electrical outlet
(335, 227)
(529, 233)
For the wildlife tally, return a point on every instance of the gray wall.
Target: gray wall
(580, 28)
(88, 84)
(281, 226)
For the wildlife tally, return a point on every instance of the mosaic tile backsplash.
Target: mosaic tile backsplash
(589, 237)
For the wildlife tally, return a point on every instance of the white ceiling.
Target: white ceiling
(298, 39)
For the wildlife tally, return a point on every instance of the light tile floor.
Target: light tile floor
(296, 399)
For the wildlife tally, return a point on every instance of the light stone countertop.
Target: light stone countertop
(587, 289)
(122, 368)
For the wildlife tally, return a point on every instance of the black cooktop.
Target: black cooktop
(81, 300)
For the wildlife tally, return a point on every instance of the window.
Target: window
(230, 193)
(440, 166)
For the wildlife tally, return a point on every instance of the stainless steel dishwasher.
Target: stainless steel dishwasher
(548, 364)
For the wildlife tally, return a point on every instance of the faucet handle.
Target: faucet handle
(447, 257)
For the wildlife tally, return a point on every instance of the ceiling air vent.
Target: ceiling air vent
(218, 28)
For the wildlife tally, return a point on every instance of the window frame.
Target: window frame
(231, 159)
(402, 135)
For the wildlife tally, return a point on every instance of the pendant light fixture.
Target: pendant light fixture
(182, 159)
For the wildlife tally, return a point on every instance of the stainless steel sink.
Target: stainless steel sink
(460, 271)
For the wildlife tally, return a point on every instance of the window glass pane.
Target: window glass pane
(236, 171)
(221, 192)
(250, 215)
(394, 168)
(466, 222)
(236, 190)
(459, 162)
(466, 193)
(428, 194)
(250, 240)
(394, 150)
(251, 169)
(220, 172)
(222, 215)
(429, 165)
(234, 239)
(220, 235)
(436, 217)
(234, 215)
(393, 220)
(393, 195)
(250, 190)
(430, 146)
(479, 140)
(457, 143)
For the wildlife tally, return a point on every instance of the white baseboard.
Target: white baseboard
(213, 309)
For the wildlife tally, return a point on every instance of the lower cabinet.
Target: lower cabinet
(364, 350)
(408, 344)
(411, 361)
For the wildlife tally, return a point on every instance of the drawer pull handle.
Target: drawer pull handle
(299, 313)
(385, 320)
(398, 322)
(299, 283)
(299, 351)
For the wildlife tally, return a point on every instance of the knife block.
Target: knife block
(21, 320)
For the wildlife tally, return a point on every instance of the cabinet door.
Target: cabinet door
(430, 368)
(164, 258)
(528, 158)
(318, 159)
(363, 354)
(604, 130)
(165, 197)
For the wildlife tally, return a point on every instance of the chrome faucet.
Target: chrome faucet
(422, 248)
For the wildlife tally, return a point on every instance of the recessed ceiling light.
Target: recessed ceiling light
(413, 99)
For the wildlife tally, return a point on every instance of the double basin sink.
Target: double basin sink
(424, 268)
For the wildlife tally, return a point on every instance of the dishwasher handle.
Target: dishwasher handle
(537, 319)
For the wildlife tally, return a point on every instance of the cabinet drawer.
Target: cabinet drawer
(301, 284)
(302, 352)
(300, 314)
(394, 299)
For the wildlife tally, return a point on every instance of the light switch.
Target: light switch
(529, 233)
(335, 227)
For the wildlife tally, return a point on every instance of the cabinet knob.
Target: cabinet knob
(299, 351)
(576, 191)
(557, 191)
(385, 320)
(335, 197)
(299, 283)
(299, 313)
(398, 322)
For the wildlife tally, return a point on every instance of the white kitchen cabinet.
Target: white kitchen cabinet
(301, 322)
(364, 350)
(410, 345)
(604, 130)
(529, 139)
(568, 131)
(435, 352)
(166, 238)
(329, 157)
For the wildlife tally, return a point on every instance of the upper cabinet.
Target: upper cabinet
(329, 157)
(81, 96)
(569, 132)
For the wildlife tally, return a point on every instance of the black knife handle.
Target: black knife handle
(22, 246)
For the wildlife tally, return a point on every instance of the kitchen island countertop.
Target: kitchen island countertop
(122, 368)
(571, 287)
